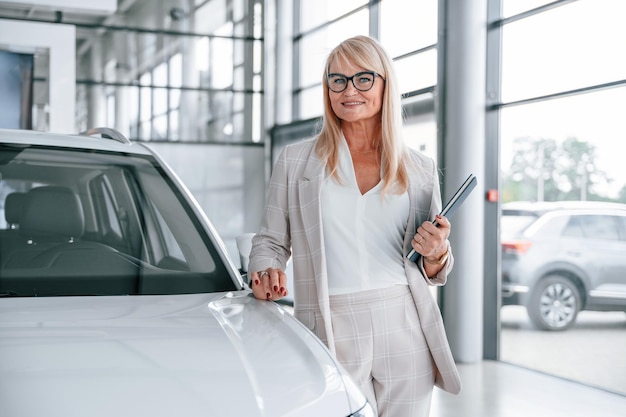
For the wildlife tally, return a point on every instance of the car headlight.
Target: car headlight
(366, 411)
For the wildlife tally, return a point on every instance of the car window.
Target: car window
(574, 227)
(593, 226)
(100, 223)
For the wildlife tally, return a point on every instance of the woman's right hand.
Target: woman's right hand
(269, 284)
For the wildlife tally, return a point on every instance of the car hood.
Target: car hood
(182, 355)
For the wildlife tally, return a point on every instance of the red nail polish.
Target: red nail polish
(256, 282)
(275, 288)
(269, 295)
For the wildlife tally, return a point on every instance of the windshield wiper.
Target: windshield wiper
(9, 293)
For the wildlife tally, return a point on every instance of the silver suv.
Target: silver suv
(559, 258)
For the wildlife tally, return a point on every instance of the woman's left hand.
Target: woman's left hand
(431, 239)
(269, 284)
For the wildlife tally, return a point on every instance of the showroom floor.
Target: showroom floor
(499, 389)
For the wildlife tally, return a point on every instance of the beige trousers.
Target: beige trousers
(379, 341)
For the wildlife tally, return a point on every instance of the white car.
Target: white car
(118, 298)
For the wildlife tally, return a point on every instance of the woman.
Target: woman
(348, 205)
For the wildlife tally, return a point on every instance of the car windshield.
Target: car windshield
(85, 222)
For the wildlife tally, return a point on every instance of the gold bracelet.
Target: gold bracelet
(442, 259)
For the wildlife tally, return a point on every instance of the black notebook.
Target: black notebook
(448, 210)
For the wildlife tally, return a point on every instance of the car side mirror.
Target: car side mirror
(244, 246)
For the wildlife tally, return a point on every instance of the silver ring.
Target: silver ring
(262, 274)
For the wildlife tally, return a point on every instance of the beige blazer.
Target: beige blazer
(292, 224)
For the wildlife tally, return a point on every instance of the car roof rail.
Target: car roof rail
(107, 133)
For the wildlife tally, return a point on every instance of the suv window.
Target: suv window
(593, 226)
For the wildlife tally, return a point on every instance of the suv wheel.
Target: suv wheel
(554, 303)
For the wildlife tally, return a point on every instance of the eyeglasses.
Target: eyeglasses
(362, 81)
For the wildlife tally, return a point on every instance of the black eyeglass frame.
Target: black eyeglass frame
(374, 74)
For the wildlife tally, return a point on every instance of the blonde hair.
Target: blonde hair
(367, 53)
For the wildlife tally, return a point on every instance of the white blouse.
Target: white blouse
(363, 234)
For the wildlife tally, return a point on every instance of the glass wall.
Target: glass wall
(562, 135)
(178, 75)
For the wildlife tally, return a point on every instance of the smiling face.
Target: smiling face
(352, 105)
